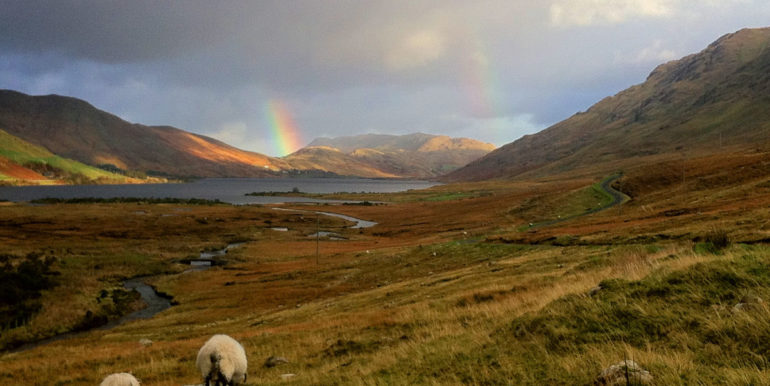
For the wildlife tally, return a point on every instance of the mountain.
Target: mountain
(717, 98)
(378, 155)
(72, 128)
(22, 163)
(410, 142)
(324, 158)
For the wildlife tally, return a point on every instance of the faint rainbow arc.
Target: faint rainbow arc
(481, 84)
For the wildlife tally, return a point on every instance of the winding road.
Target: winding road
(617, 196)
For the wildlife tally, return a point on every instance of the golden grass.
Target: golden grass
(386, 325)
(421, 298)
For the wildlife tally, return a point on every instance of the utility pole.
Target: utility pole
(684, 169)
(620, 189)
(317, 236)
(720, 139)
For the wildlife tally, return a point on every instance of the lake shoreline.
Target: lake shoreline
(227, 190)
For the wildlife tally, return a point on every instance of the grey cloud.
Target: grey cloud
(343, 67)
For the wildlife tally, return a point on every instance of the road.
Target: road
(618, 197)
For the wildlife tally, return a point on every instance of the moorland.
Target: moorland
(474, 283)
(525, 269)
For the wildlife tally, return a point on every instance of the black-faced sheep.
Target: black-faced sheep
(222, 361)
(120, 379)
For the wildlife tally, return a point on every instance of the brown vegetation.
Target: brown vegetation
(429, 295)
(705, 102)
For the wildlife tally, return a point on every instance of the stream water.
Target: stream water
(359, 223)
(206, 258)
(157, 303)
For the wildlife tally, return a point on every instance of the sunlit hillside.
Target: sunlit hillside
(22, 163)
(705, 102)
(74, 129)
(389, 156)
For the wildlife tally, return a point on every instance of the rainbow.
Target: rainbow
(480, 97)
(479, 81)
(481, 87)
(285, 133)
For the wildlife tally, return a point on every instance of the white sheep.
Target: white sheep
(223, 361)
(120, 379)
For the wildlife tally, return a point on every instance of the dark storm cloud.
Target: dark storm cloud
(493, 70)
(110, 31)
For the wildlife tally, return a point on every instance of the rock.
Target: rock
(275, 361)
(624, 373)
(145, 342)
(593, 291)
(752, 299)
(740, 307)
(287, 376)
(748, 303)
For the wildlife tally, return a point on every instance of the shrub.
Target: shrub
(20, 287)
(713, 242)
(718, 238)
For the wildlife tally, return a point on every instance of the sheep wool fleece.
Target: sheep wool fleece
(222, 360)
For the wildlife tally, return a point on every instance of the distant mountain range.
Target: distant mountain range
(718, 98)
(72, 129)
(413, 155)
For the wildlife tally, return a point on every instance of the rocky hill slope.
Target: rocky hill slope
(717, 98)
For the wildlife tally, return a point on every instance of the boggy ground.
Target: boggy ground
(452, 286)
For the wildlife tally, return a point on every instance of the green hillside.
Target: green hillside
(27, 159)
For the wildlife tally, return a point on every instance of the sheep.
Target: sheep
(223, 361)
(120, 379)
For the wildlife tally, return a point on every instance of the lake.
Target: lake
(230, 190)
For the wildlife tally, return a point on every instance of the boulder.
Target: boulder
(748, 303)
(626, 372)
(275, 361)
(594, 291)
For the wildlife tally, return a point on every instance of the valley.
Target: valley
(635, 230)
(450, 286)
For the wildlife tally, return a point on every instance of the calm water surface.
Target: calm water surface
(231, 190)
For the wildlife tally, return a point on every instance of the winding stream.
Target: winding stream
(157, 303)
(206, 258)
(359, 223)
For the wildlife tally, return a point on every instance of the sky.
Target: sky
(270, 76)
